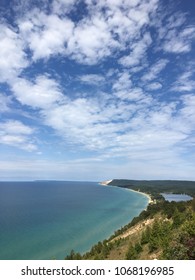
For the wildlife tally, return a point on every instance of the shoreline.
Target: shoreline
(145, 194)
(106, 183)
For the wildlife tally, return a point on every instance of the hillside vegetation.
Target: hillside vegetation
(165, 230)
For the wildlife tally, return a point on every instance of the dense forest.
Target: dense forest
(156, 187)
(165, 230)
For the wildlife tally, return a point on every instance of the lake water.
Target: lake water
(176, 197)
(45, 220)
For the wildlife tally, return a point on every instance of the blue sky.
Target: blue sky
(94, 90)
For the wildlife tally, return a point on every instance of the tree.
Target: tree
(154, 240)
(131, 253)
(73, 256)
(177, 218)
(138, 248)
(146, 235)
(193, 204)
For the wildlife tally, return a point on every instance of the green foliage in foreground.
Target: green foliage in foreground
(182, 244)
(175, 238)
(172, 234)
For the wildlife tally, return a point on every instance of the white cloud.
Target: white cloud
(125, 18)
(87, 41)
(155, 69)
(139, 15)
(87, 122)
(176, 37)
(46, 35)
(43, 93)
(154, 86)
(21, 7)
(12, 56)
(138, 52)
(124, 89)
(15, 127)
(188, 110)
(4, 103)
(123, 82)
(62, 7)
(15, 133)
(93, 37)
(115, 126)
(91, 41)
(137, 131)
(80, 122)
(177, 45)
(92, 79)
(133, 94)
(185, 82)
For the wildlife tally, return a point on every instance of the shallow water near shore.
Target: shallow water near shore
(47, 219)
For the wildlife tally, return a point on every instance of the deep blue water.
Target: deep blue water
(46, 219)
(176, 197)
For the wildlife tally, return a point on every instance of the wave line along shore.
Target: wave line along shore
(107, 183)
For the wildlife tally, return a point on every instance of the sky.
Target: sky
(94, 90)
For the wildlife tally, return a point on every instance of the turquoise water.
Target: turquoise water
(176, 197)
(42, 220)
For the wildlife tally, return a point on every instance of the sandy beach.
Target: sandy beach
(105, 183)
(148, 196)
